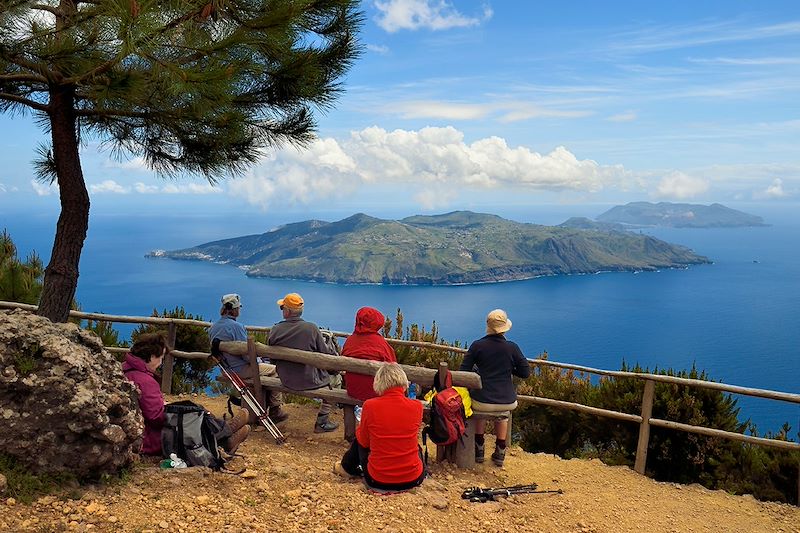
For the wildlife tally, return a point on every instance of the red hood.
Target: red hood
(369, 320)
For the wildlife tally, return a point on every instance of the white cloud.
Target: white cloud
(441, 110)
(137, 164)
(191, 188)
(44, 190)
(108, 186)
(141, 188)
(395, 15)
(2, 188)
(680, 186)
(774, 191)
(436, 161)
(378, 48)
(510, 111)
(628, 116)
(748, 61)
(436, 198)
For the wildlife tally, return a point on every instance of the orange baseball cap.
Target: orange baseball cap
(292, 301)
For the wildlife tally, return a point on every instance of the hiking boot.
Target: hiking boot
(236, 439)
(339, 470)
(323, 425)
(499, 456)
(479, 450)
(278, 415)
(238, 421)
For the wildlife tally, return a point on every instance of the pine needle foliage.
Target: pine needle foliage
(201, 87)
(20, 281)
(197, 86)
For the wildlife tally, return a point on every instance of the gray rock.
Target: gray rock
(67, 407)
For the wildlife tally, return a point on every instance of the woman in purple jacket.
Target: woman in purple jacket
(140, 364)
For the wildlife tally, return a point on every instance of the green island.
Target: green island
(679, 215)
(454, 248)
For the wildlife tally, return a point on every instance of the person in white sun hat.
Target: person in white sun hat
(496, 359)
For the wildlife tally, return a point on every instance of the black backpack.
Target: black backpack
(192, 433)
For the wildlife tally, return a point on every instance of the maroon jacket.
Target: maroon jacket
(151, 402)
(366, 343)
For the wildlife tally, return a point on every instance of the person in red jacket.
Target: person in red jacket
(366, 343)
(386, 452)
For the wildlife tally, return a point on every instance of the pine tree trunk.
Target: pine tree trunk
(61, 275)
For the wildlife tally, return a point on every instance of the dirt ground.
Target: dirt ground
(293, 488)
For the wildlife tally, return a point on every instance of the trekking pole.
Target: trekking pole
(480, 495)
(247, 396)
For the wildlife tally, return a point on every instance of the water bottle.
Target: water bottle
(412, 391)
(357, 412)
(176, 462)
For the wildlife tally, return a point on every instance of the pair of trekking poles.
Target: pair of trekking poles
(243, 390)
(477, 494)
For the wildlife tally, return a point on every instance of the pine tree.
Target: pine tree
(19, 281)
(191, 86)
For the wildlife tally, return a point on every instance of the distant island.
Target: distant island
(455, 248)
(679, 215)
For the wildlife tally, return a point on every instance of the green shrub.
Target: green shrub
(188, 375)
(25, 486)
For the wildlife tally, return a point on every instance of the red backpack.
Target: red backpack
(448, 423)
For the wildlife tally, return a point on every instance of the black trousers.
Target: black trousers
(355, 460)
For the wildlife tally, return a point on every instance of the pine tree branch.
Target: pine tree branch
(32, 78)
(43, 7)
(24, 101)
(110, 113)
(100, 69)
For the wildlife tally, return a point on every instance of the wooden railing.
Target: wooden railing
(644, 420)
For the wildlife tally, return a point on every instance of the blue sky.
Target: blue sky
(470, 105)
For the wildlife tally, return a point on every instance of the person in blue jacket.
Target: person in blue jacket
(496, 359)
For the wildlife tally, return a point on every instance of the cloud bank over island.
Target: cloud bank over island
(432, 162)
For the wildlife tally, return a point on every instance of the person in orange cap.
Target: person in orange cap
(294, 332)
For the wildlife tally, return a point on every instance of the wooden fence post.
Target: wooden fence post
(166, 365)
(644, 428)
(252, 358)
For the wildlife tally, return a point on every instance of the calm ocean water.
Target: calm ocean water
(737, 319)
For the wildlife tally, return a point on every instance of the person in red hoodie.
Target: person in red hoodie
(366, 343)
(386, 452)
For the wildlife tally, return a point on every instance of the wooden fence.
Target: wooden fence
(644, 420)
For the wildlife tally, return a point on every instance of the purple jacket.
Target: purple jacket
(151, 402)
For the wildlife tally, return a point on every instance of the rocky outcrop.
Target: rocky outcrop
(65, 405)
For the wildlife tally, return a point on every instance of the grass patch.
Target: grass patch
(25, 486)
(24, 363)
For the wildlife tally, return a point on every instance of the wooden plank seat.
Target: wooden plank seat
(339, 396)
(251, 350)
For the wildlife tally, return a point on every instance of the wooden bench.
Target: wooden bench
(461, 453)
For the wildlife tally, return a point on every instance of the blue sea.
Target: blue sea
(737, 318)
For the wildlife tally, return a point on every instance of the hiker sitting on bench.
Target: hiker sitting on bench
(140, 365)
(366, 343)
(496, 359)
(228, 329)
(386, 452)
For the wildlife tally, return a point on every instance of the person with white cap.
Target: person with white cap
(228, 329)
(496, 359)
(294, 332)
